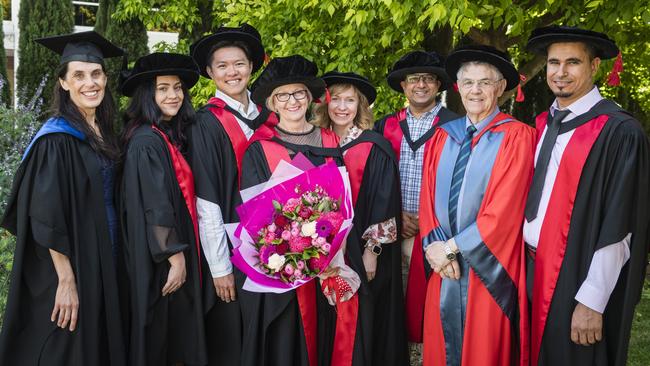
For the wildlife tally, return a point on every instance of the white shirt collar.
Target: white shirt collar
(250, 113)
(582, 105)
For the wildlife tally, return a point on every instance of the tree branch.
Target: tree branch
(529, 71)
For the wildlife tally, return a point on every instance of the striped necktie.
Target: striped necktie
(457, 178)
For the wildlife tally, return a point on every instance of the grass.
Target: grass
(638, 354)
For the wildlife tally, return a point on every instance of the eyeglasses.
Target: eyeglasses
(415, 78)
(482, 84)
(297, 95)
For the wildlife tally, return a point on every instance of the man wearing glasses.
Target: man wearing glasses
(421, 77)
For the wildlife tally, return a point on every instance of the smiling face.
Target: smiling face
(480, 97)
(230, 70)
(86, 83)
(343, 106)
(420, 92)
(570, 71)
(293, 110)
(169, 95)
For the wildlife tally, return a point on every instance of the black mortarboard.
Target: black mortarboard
(287, 70)
(483, 53)
(417, 62)
(157, 64)
(84, 46)
(202, 49)
(364, 85)
(541, 38)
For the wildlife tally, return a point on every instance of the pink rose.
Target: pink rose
(288, 269)
(286, 235)
(300, 265)
(326, 247)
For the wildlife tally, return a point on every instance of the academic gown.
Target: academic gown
(600, 195)
(394, 127)
(57, 203)
(283, 329)
(216, 145)
(157, 224)
(481, 319)
(380, 334)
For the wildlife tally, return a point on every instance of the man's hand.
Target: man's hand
(177, 274)
(410, 225)
(225, 287)
(369, 263)
(451, 271)
(586, 325)
(436, 256)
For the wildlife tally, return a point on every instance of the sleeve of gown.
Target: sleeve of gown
(381, 191)
(495, 237)
(146, 176)
(50, 164)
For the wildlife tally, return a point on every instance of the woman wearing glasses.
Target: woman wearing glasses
(276, 331)
(474, 186)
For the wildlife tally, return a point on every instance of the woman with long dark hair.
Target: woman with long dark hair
(158, 215)
(64, 306)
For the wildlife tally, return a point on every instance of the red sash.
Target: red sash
(555, 227)
(416, 285)
(233, 129)
(355, 161)
(185, 180)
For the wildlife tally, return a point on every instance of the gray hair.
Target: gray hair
(465, 65)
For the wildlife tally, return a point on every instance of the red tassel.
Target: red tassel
(456, 86)
(328, 97)
(267, 59)
(614, 78)
(520, 93)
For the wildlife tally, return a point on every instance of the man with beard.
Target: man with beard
(586, 224)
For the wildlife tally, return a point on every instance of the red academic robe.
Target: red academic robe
(393, 127)
(601, 193)
(493, 330)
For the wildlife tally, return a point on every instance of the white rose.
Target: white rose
(308, 229)
(276, 262)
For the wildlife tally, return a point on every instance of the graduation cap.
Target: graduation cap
(418, 62)
(84, 46)
(483, 53)
(605, 48)
(159, 64)
(287, 70)
(364, 85)
(202, 49)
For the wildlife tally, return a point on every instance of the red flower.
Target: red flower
(282, 248)
(280, 221)
(305, 212)
(318, 263)
(299, 243)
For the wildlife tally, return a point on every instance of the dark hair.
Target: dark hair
(222, 44)
(62, 106)
(143, 109)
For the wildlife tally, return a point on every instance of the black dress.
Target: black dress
(156, 225)
(57, 203)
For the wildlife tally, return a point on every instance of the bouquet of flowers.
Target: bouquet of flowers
(293, 226)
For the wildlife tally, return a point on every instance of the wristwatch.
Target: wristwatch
(451, 256)
(375, 248)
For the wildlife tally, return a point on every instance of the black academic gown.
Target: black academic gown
(272, 322)
(380, 337)
(156, 224)
(211, 155)
(612, 200)
(57, 203)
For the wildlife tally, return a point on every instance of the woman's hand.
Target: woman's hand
(369, 263)
(66, 304)
(177, 274)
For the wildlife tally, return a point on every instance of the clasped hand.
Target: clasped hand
(437, 258)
